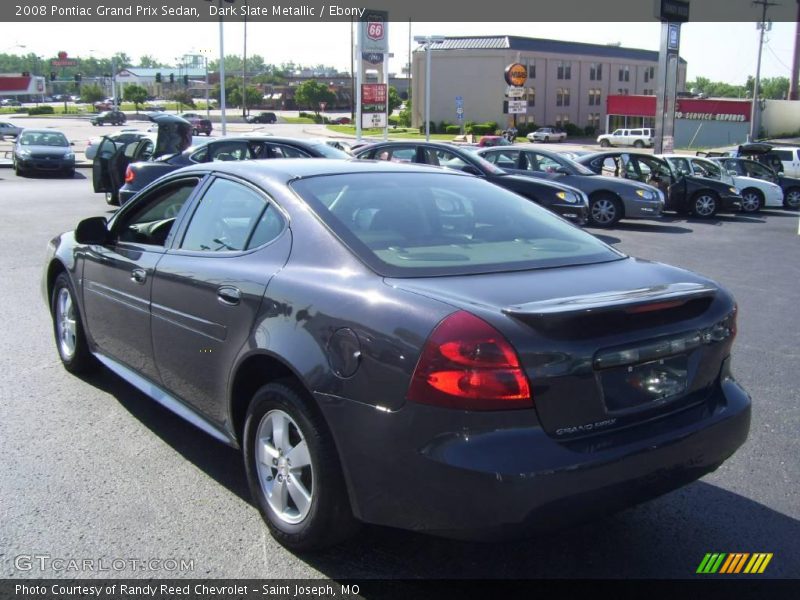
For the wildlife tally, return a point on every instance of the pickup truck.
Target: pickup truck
(199, 124)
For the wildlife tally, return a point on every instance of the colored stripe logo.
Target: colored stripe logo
(734, 563)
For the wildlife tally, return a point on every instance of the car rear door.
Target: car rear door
(208, 288)
(118, 276)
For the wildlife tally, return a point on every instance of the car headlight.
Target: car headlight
(567, 197)
(646, 194)
(733, 190)
(69, 155)
(24, 152)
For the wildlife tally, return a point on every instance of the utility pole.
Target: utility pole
(793, 83)
(755, 113)
(244, 70)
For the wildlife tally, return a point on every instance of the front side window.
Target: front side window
(418, 224)
(225, 218)
(150, 219)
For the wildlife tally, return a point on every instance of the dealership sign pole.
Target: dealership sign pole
(671, 13)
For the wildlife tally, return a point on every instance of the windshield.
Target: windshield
(421, 224)
(43, 139)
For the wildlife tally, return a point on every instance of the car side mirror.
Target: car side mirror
(72, 143)
(93, 230)
(732, 172)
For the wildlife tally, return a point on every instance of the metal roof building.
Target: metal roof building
(568, 82)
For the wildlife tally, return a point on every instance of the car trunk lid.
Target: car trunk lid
(601, 354)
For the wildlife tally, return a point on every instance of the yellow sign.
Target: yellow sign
(516, 74)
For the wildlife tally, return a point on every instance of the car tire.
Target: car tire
(18, 171)
(705, 204)
(73, 350)
(605, 143)
(195, 132)
(791, 198)
(310, 510)
(752, 200)
(112, 198)
(638, 144)
(546, 139)
(604, 210)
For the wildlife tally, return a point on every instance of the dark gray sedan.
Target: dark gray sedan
(43, 150)
(402, 345)
(609, 199)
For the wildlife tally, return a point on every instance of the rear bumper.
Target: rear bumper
(499, 475)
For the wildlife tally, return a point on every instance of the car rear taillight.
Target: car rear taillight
(467, 364)
(129, 175)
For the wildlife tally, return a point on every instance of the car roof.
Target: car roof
(28, 130)
(296, 168)
(594, 155)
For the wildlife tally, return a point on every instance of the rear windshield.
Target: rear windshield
(329, 151)
(420, 224)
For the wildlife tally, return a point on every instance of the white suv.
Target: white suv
(639, 138)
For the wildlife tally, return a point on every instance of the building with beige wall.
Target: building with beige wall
(568, 82)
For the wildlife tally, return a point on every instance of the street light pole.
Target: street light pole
(222, 68)
(244, 70)
(428, 40)
(754, 108)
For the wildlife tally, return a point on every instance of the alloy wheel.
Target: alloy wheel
(284, 466)
(793, 198)
(66, 326)
(750, 201)
(604, 211)
(705, 205)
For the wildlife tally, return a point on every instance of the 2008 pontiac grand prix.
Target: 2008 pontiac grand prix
(402, 345)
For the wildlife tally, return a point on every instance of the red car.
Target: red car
(493, 140)
(341, 121)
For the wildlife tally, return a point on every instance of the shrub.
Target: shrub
(573, 130)
(488, 128)
(453, 129)
(590, 130)
(41, 110)
(394, 121)
(523, 129)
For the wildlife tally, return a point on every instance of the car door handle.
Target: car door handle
(229, 295)
(139, 275)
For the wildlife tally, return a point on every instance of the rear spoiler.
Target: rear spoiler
(659, 296)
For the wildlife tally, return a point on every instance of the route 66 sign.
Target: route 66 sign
(374, 31)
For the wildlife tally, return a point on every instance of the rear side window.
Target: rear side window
(418, 224)
(225, 219)
(784, 155)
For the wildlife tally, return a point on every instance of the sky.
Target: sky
(719, 51)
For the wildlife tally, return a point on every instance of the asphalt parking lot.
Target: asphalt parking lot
(93, 469)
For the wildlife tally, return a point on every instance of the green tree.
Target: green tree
(92, 93)
(775, 88)
(394, 99)
(148, 62)
(404, 118)
(310, 93)
(233, 95)
(183, 98)
(135, 93)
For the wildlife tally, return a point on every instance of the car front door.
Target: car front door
(101, 168)
(208, 288)
(118, 276)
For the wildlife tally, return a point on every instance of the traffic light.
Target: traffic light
(77, 77)
(52, 75)
(186, 80)
(158, 77)
(172, 77)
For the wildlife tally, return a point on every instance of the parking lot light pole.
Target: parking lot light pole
(222, 119)
(428, 40)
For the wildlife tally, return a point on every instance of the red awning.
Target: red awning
(14, 84)
(645, 106)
